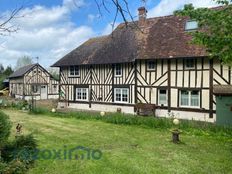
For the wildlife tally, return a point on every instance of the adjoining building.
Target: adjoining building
(33, 81)
(149, 61)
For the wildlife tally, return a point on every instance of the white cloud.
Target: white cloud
(166, 7)
(45, 32)
(108, 29)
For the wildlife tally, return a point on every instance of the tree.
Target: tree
(5, 25)
(23, 61)
(1, 69)
(8, 71)
(215, 32)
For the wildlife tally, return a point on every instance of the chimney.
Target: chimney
(142, 14)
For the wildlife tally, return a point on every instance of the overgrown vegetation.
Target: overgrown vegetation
(4, 73)
(12, 153)
(215, 34)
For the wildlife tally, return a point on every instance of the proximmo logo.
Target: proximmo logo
(76, 153)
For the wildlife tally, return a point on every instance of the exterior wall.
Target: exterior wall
(144, 84)
(22, 87)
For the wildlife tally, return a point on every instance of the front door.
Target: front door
(43, 92)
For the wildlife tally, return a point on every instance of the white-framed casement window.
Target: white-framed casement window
(151, 65)
(74, 71)
(163, 93)
(121, 95)
(190, 98)
(191, 25)
(118, 70)
(189, 63)
(82, 94)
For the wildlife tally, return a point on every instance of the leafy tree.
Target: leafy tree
(8, 71)
(1, 69)
(215, 32)
(23, 61)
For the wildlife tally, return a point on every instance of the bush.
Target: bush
(5, 127)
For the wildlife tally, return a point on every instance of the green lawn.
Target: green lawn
(126, 149)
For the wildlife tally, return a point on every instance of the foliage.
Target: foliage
(4, 73)
(215, 33)
(23, 61)
(5, 126)
(15, 156)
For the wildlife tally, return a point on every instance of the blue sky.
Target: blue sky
(52, 28)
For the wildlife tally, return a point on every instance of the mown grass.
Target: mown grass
(126, 148)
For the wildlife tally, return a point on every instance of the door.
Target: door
(43, 92)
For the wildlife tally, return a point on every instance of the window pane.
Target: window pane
(191, 25)
(151, 65)
(195, 98)
(163, 97)
(124, 95)
(71, 70)
(190, 63)
(184, 98)
(76, 72)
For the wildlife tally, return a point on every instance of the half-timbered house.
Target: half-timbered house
(33, 81)
(150, 61)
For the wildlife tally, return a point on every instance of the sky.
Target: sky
(49, 29)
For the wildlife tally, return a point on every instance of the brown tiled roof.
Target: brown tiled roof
(162, 37)
(21, 71)
(222, 89)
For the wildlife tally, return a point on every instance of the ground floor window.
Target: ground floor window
(190, 98)
(35, 88)
(81, 93)
(121, 95)
(162, 97)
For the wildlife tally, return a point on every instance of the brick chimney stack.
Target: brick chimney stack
(142, 14)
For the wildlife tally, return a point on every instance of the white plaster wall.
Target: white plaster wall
(99, 107)
(186, 115)
(53, 96)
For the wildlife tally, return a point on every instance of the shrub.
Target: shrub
(5, 126)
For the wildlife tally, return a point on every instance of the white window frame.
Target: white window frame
(121, 96)
(148, 65)
(189, 99)
(191, 28)
(75, 74)
(87, 94)
(189, 59)
(166, 97)
(116, 70)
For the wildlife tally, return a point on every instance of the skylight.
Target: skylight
(191, 25)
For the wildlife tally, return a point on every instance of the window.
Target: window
(189, 98)
(35, 88)
(151, 65)
(163, 97)
(121, 95)
(82, 94)
(191, 25)
(118, 70)
(74, 71)
(189, 63)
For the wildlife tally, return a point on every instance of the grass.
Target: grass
(126, 148)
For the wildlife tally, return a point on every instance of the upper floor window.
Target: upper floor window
(189, 98)
(74, 71)
(191, 25)
(118, 70)
(151, 65)
(189, 63)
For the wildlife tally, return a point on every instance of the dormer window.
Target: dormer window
(191, 25)
(74, 71)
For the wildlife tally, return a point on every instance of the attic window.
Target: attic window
(191, 25)
(74, 71)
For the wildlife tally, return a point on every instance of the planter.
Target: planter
(175, 136)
